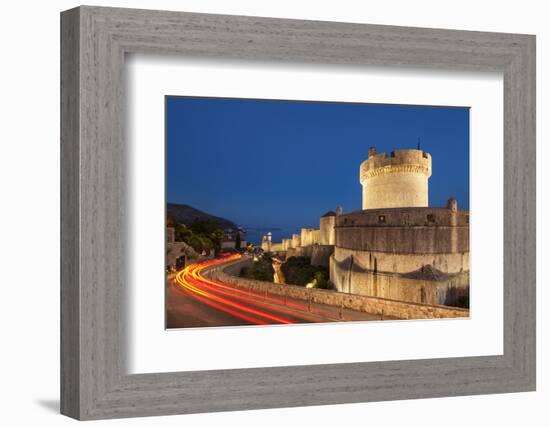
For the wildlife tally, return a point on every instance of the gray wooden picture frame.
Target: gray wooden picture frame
(94, 382)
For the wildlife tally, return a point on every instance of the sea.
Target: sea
(254, 235)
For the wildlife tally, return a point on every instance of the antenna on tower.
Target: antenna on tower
(418, 144)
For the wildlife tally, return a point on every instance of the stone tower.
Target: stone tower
(395, 181)
(326, 228)
(266, 242)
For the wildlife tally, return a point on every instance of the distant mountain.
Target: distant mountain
(185, 214)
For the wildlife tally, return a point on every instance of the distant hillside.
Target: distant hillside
(185, 214)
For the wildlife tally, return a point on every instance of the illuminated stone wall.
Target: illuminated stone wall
(287, 243)
(326, 229)
(320, 255)
(277, 247)
(374, 305)
(296, 241)
(422, 231)
(349, 277)
(412, 254)
(309, 236)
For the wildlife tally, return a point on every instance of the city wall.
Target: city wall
(314, 243)
(320, 255)
(277, 247)
(419, 255)
(403, 263)
(349, 275)
(299, 251)
(373, 305)
(326, 229)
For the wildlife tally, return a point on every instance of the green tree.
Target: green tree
(195, 242)
(201, 235)
(206, 243)
(260, 270)
(299, 271)
(321, 280)
(204, 226)
(182, 233)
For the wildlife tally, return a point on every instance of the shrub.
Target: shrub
(299, 271)
(260, 270)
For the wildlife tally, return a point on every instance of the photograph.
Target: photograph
(286, 212)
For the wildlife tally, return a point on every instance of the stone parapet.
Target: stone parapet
(372, 305)
(399, 161)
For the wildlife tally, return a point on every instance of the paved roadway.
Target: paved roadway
(193, 300)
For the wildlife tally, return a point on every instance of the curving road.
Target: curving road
(196, 301)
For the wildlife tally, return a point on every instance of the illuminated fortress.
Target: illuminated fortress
(396, 247)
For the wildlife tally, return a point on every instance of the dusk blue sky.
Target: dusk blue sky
(266, 163)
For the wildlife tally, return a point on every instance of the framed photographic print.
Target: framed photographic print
(303, 212)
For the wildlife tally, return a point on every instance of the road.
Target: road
(196, 301)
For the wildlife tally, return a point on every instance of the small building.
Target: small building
(178, 254)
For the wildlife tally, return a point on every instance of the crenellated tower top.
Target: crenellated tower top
(399, 179)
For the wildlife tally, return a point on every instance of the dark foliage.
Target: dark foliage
(200, 235)
(299, 271)
(238, 241)
(260, 270)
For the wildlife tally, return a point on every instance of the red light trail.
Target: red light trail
(250, 306)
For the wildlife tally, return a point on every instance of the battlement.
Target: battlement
(399, 179)
(398, 161)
